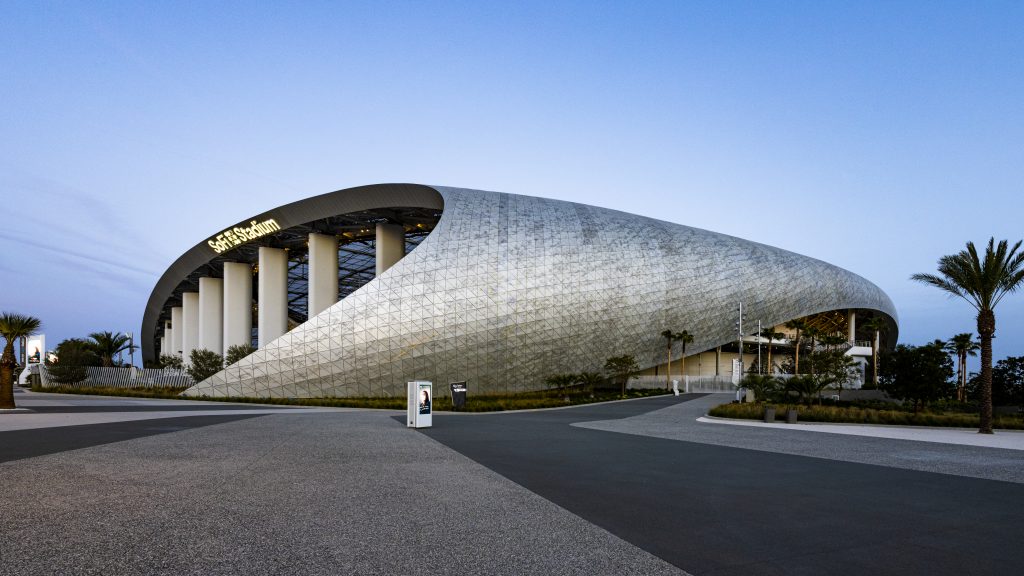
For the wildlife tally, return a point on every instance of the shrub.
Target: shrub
(203, 364)
(765, 387)
(859, 415)
(237, 352)
(171, 361)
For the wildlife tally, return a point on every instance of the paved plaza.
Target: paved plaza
(96, 485)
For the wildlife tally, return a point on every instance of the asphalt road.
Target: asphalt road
(19, 444)
(720, 510)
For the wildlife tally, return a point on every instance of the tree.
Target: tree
(684, 338)
(771, 335)
(799, 325)
(237, 352)
(204, 363)
(812, 333)
(1007, 382)
(74, 355)
(805, 385)
(588, 380)
(962, 346)
(832, 368)
(876, 324)
(669, 337)
(559, 381)
(919, 374)
(763, 386)
(622, 368)
(982, 282)
(108, 344)
(13, 327)
(171, 361)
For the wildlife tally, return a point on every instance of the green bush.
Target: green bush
(859, 415)
(203, 364)
(237, 352)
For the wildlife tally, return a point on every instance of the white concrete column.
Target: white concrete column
(176, 331)
(237, 304)
(211, 315)
(852, 321)
(165, 343)
(390, 246)
(273, 295)
(323, 273)
(189, 324)
(162, 347)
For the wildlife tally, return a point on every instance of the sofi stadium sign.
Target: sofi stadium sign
(239, 235)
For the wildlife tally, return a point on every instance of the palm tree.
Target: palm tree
(799, 325)
(685, 338)
(982, 282)
(670, 336)
(771, 335)
(812, 333)
(12, 327)
(962, 345)
(107, 345)
(875, 324)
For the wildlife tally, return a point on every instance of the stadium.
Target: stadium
(358, 291)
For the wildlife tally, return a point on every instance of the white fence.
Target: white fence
(125, 377)
(702, 384)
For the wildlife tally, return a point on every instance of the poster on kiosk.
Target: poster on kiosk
(421, 402)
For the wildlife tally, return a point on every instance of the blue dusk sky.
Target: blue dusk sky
(875, 136)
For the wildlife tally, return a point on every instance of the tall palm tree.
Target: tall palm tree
(669, 336)
(799, 325)
(771, 335)
(876, 324)
(685, 338)
(962, 346)
(12, 327)
(107, 345)
(812, 333)
(982, 282)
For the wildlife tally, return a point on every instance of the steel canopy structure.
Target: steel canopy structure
(502, 290)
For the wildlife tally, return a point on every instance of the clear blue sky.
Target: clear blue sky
(876, 136)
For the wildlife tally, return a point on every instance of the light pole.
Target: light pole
(739, 333)
(758, 346)
(131, 348)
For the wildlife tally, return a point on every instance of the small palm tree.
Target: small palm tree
(982, 282)
(12, 327)
(799, 325)
(589, 380)
(877, 325)
(107, 345)
(962, 346)
(771, 335)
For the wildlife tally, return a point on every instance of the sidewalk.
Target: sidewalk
(1008, 439)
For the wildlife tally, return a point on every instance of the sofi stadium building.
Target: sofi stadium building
(356, 292)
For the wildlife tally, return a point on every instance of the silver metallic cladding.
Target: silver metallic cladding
(509, 289)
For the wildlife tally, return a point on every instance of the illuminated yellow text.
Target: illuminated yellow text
(238, 235)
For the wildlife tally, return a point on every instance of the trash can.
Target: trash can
(791, 416)
(769, 413)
